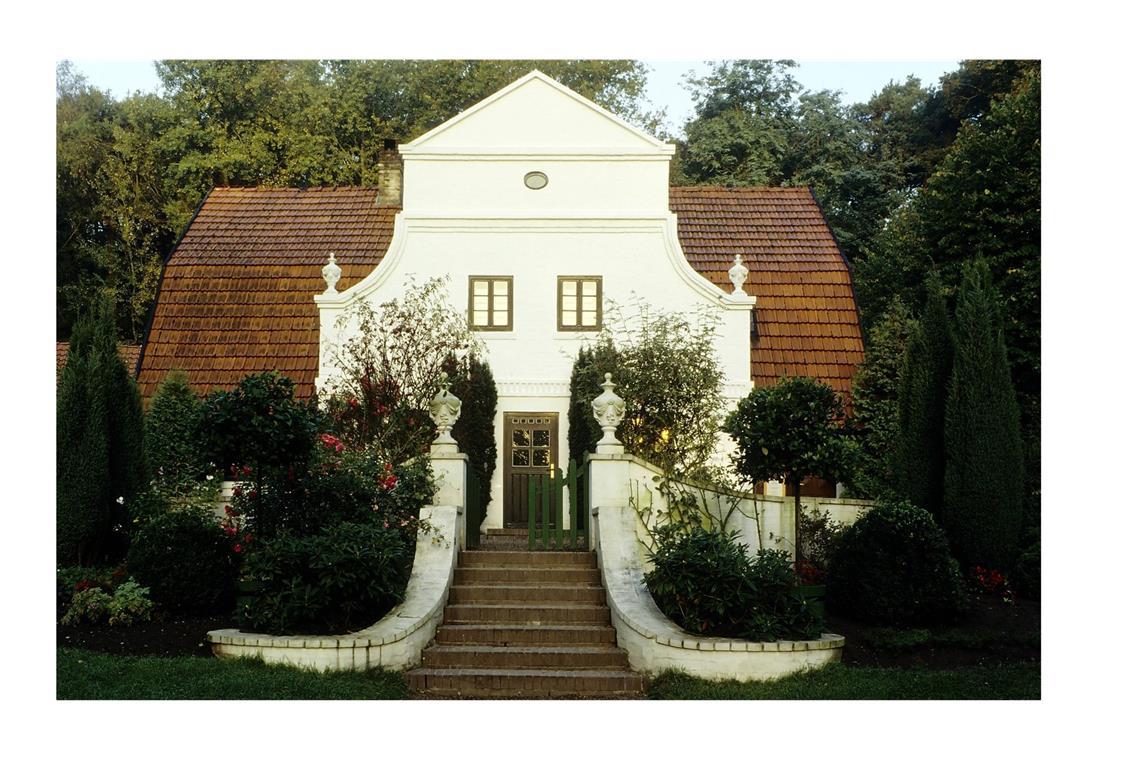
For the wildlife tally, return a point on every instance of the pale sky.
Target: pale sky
(665, 87)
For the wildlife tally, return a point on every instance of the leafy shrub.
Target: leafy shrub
(186, 560)
(819, 537)
(893, 567)
(391, 367)
(129, 604)
(666, 369)
(1026, 575)
(75, 578)
(706, 583)
(345, 577)
(87, 606)
(175, 441)
(260, 425)
(336, 485)
(474, 385)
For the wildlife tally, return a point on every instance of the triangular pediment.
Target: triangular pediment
(537, 115)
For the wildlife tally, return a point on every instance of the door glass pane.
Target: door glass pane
(520, 457)
(541, 437)
(521, 438)
(541, 457)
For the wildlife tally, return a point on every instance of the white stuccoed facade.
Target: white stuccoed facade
(604, 213)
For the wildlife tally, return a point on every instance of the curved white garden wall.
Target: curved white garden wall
(654, 642)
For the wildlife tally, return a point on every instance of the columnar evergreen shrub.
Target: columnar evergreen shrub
(186, 560)
(875, 399)
(474, 385)
(100, 461)
(920, 456)
(984, 486)
(893, 567)
(175, 441)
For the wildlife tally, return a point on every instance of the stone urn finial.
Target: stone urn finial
(444, 409)
(738, 275)
(609, 411)
(331, 273)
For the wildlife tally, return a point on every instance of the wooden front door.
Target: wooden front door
(530, 447)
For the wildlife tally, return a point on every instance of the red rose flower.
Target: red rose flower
(237, 548)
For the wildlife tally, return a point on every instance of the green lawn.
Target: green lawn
(841, 682)
(82, 674)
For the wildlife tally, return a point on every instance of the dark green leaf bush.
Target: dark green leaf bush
(893, 567)
(186, 560)
(343, 578)
(707, 583)
(1026, 576)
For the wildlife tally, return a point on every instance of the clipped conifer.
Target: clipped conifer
(175, 442)
(919, 456)
(474, 385)
(984, 483)
(100, 462)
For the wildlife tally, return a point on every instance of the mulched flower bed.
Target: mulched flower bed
(995, 633)
(165, 638)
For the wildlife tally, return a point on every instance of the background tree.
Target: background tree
(793, 430)
(875, 401)
(984, 486)
(100, 462)
(919, 454)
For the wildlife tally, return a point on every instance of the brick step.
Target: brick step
(525, 684)
(488, 574)
(527, 559)
(530, 612)
(506, 531)
(521, 658)
(499, 593)
(526, 635)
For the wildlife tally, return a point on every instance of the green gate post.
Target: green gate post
(557, 484)
(545, 511)
(572, 486)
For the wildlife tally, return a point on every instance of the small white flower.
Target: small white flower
(209, 477)
(119, 500)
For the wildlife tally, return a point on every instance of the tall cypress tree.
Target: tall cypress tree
(920, 458)
(474, 385)
(100, 465)
(984, 464)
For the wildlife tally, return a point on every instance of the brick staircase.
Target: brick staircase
(525, 625)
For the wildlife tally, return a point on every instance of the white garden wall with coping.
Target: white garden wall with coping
(655, 643)
(605, 212)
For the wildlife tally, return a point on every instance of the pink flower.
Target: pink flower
(237, 548)
(331, 442)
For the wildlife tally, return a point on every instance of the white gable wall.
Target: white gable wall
(604, 213)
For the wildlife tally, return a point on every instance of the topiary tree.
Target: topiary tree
(893, 567)
(919, 455)
(100, 461)
(474, 385)
(792, 429)
(984, 484)
(875, 400)
(175, 441)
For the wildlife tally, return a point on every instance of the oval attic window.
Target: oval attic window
(535, 180)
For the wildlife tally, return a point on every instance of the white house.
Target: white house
(536, 204)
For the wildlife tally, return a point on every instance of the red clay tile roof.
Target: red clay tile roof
(237, 292)
(806, 319)
(129, 354)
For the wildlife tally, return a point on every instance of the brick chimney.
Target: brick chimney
(391, 171)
